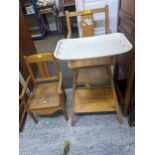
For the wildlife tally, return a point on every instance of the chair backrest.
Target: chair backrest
(43, 62)
(87, 20)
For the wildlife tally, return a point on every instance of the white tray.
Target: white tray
(92, 47)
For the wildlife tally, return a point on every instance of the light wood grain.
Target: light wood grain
(73, 64)
(47, 96)
(92, 98)
(87, 29)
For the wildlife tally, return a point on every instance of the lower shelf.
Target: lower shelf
(37, 35)
(89, 100)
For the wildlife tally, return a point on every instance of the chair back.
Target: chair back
(44, 62)
(87, 21)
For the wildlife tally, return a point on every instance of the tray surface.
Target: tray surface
(92, 47)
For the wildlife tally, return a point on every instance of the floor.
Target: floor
(48, 45)
(95, 134)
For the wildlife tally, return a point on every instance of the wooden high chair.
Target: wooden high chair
(98, 93)
(81, 66)
(48, 95)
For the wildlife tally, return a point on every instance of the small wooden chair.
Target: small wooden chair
(48, 95)
(98, 93)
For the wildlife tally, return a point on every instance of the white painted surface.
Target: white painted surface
(92, 47)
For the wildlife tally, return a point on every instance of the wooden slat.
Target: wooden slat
(80, 13)
(47, 79)
(41, 69)
(68, 25)
(107, 27)
(91, 62)
(87, 28)
(46, 69)
(40, 57)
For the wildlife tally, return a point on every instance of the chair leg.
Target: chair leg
(72, 113)
(65, 113)
(33, 118)
(72, 119)
(119, 115)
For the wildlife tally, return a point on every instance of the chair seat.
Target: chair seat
(94, 100)
(44, 96)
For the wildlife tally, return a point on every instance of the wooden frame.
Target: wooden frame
(95, 99)
(47, 97)
(126, 62)
(83, 14)
(96, 61)
(93, 88)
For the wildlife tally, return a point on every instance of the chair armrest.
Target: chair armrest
(60, 83)
(24, 88)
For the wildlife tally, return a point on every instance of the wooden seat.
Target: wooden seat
(47, 96)
(94, 100)
(98, 93)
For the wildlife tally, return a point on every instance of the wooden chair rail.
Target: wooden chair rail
(93, 11)
(24, 88)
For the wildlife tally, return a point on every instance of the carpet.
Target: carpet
(93, 134)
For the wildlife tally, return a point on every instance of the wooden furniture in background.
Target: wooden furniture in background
(126, 62)
(94, 75)
(34, 23)
(48, 9)
(48, 95)
(67, 5)
(26, 47)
